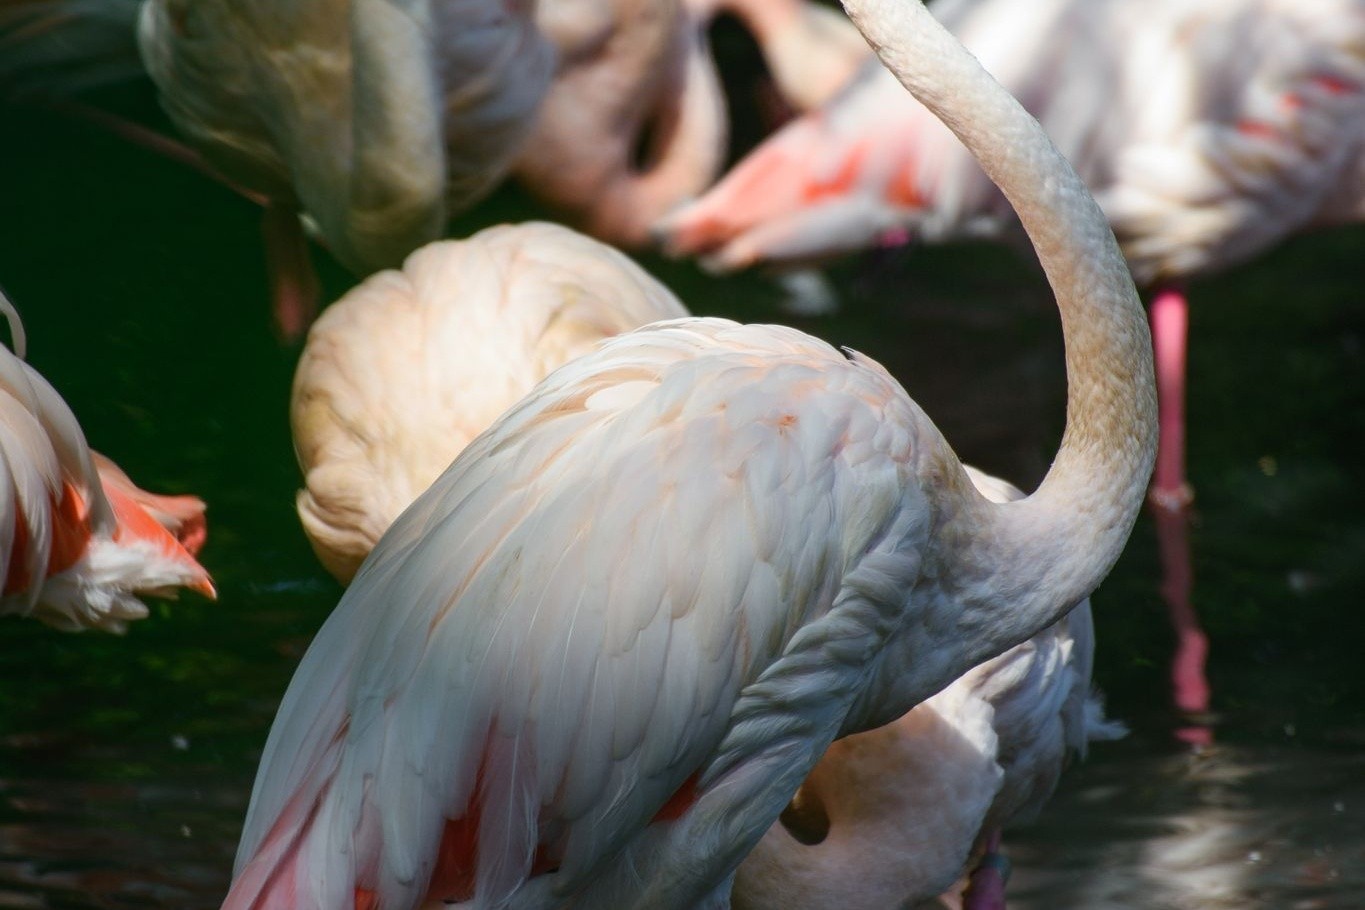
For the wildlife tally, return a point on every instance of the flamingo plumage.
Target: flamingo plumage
(371, 119)
(79, 542)
(401, 373)
(496, 712)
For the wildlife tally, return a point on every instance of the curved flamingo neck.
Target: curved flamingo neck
(1054, 547)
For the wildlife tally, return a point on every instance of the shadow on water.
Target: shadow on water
(125, 763)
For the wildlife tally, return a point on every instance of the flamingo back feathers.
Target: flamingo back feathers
(401, 373)
(493, 629)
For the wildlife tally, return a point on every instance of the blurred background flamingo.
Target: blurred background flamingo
(635, 120)
(80, 544)
(374, 121)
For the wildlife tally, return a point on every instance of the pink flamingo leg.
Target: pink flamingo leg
(1189, 683)
(1171, 496)
(1170, 325)
(986, 887)
(293, 283)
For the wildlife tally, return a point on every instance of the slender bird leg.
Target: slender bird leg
(293, 283)
(1170, 323)
(1170, 497)
(986, 887)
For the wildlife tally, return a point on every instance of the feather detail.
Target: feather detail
(78, 545)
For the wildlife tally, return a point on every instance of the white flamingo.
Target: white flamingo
(592, 663)
(373, 119)
(79, 543)
(401, 373)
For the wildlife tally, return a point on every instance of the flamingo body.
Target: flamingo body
(374, 117)
(400, 374)
(634, 123)
(892, 817)
(78, 541)
(648, 406)
(593, 661)
(1207, 132)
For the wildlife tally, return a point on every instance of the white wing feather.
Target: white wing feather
(400, 374)
(544, 565)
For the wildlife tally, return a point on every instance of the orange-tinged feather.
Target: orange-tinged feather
(70, 537)
(678, 804)
(841, 181)
(457, 859)
(135, 522)
(904, 189)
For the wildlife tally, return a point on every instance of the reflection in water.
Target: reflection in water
(1189, 678)
(1225, 829)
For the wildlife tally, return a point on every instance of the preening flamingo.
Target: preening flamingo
(79, 543)
(373, 119)
(400, 374)
(376, 120)
(634, 123)
(1208, 132)
(592, 663)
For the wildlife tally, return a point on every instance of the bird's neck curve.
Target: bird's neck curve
(1017, 567)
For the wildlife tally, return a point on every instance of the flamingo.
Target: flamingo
(1208, 132)
(593, 662)
(400, 374)
(637, 80)
(373, 119)
(79, 542)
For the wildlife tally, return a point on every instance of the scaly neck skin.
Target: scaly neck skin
(385, 196)
(1046, 552)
